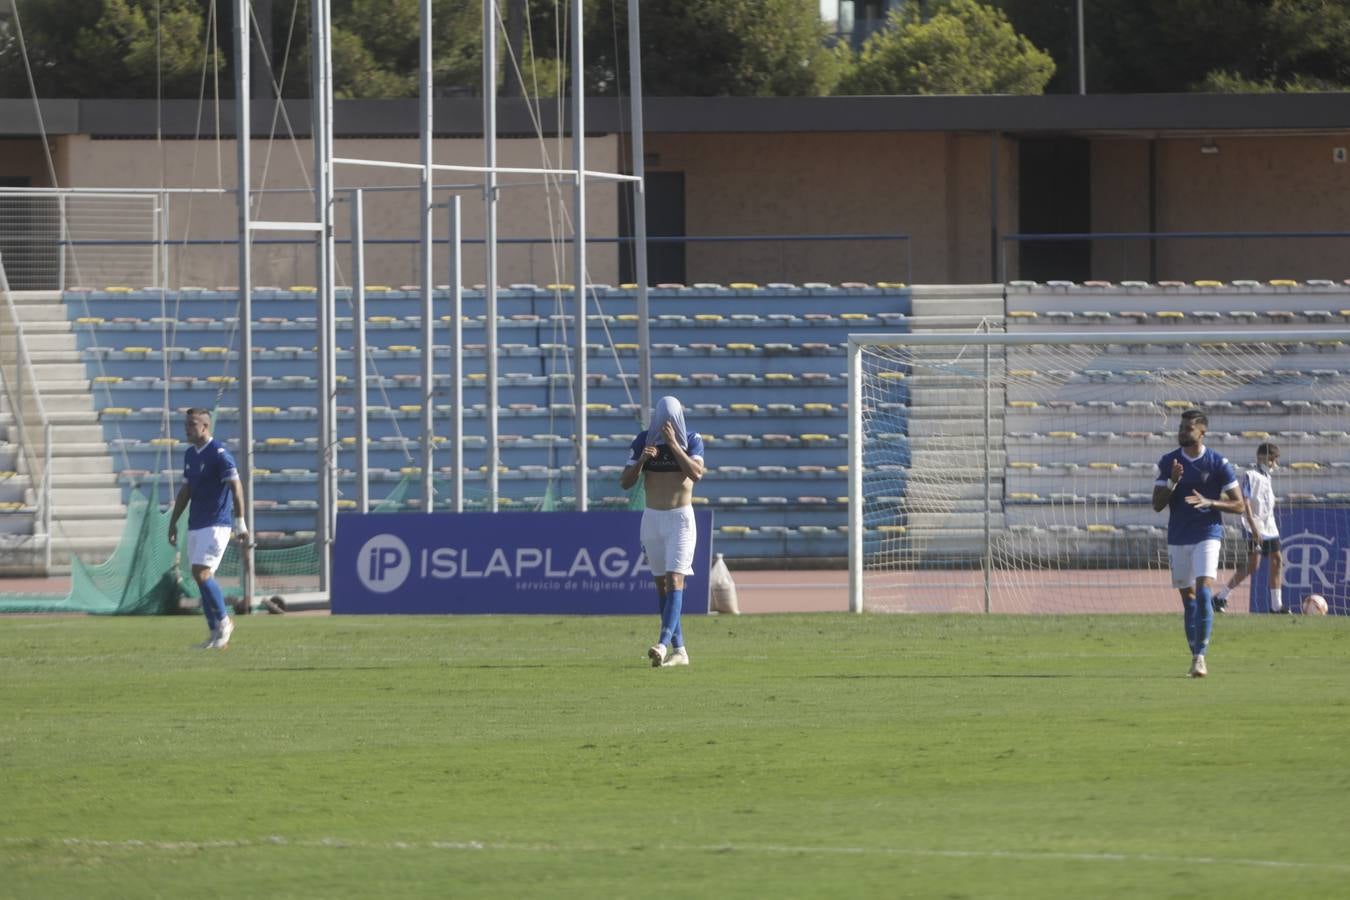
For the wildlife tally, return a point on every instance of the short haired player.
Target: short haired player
(1195, 485)
(211, 483)
(1259, 529)
(670, 458)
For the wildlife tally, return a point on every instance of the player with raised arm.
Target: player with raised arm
(1195, 485)
(1258, 526)
(211, 483)
(670, 459)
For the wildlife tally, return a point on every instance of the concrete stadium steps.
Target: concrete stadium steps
(536, 300)
(394, 453)
(539, 390)
(1047, 448)
(717, 358)
(1104, 303)
(146, 425)
(86, 502)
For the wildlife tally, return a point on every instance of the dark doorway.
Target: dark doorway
(1054, 187)
(665, 218)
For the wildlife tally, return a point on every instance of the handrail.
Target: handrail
(1152, 236)
(14, 392)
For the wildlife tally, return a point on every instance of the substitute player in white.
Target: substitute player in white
(1195, 484)
(1258, 526)
(670, 458)
(211, 483)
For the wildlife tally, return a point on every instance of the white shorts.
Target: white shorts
(668, 537)
(1192, 561)
(206, 546)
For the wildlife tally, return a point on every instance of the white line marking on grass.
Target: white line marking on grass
(762, 849)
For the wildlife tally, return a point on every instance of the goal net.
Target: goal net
(1014, 472)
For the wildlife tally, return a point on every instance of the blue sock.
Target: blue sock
(214, 598)
(1204, 619)
(209, 609)
(677, 636)
(670, 616)
(1188, 609)
(661, 603)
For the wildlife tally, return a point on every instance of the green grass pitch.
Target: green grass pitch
(816, 755)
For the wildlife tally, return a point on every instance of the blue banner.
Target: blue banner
(1315, 542)
(547, 562)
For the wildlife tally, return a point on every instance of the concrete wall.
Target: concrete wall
(1286, 183)
(933, 186)
(523, 211)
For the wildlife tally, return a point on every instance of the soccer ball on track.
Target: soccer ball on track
(1314, 605)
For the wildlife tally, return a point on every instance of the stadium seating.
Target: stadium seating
(761, 370)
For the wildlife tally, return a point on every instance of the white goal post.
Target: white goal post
(1013, 472)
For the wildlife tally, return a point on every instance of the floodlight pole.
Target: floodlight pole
(358, 229)
(243, 131)
(579, 252)
(490, 239)
(1082, 58)
(637, 150)
(425, 275)
(457, 351)
(322, 113)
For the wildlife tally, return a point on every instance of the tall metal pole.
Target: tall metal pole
(322, 111)
(490, 238)
(579, 250)
(636, 148)
(988, 479)
(457, 349)
(243, 132)
(996, 268)
(1082, 59)
(427, 281)
(359, 348)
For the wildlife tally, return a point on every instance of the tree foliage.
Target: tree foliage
(1156, 46)
(964, 47)
(712, 48)
(106, 48)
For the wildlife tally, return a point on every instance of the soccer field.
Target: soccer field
(800, 755)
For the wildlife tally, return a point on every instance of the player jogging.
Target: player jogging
(1195, 484)
(211, 483)
(670, 458)
(1258, 526)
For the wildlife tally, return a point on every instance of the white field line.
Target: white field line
(754, 849)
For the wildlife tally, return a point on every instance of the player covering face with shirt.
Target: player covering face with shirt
(669, 457)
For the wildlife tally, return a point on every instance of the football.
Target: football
(1314, 605)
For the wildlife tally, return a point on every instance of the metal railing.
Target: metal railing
(24, 397)
(1135, 254)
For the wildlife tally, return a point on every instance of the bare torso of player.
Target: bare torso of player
(668, 490)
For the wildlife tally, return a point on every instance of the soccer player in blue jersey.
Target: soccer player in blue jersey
(211, 483)
(670, 458)
(1195, 485)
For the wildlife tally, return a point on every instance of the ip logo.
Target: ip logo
(383, 563)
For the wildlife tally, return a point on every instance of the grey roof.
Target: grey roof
(1134, 114)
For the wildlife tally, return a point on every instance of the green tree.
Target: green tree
(964, 47)
(106, 48)
(1155, 46)
(710, 48)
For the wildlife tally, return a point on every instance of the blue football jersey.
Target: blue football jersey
(1210, 474)
(665, 459)
(208, 473)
